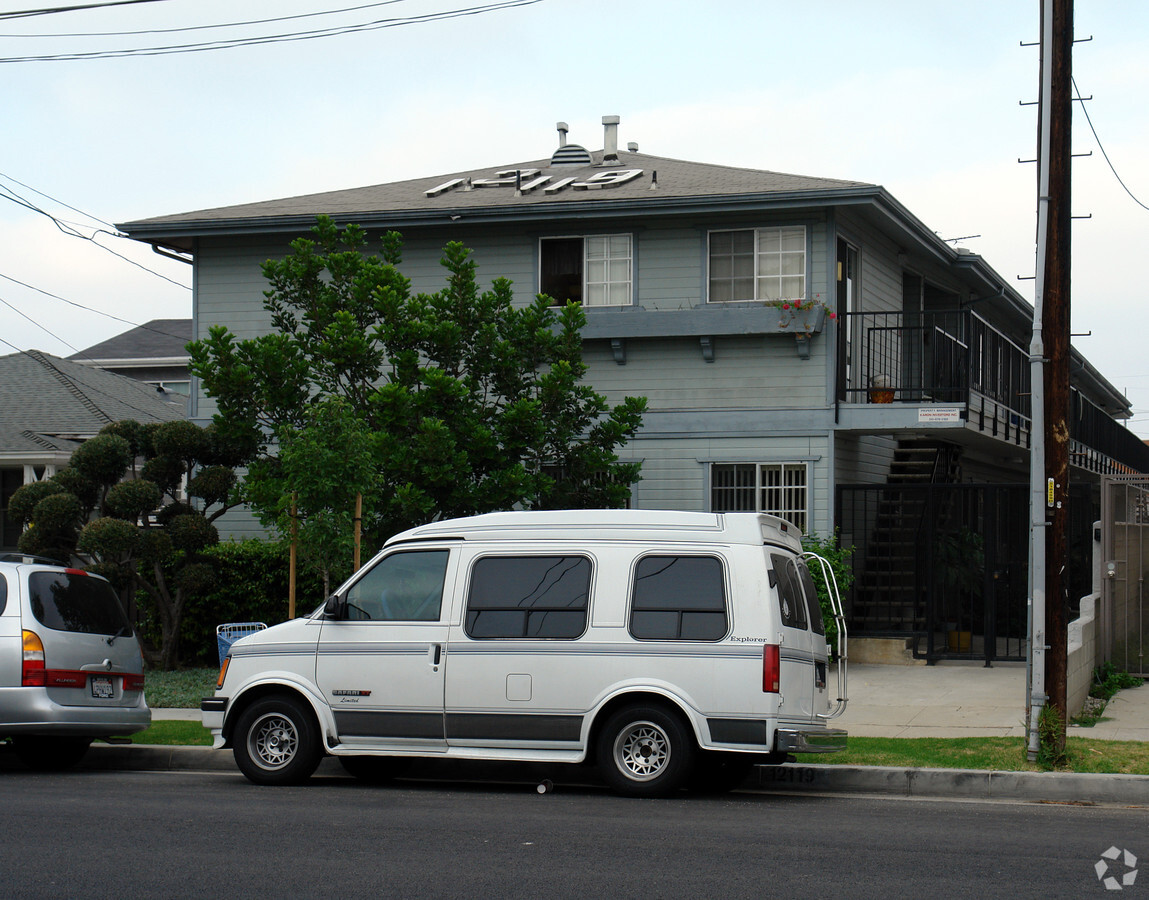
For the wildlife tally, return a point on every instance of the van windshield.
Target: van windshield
(67, 601)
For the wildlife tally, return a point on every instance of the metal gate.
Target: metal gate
(1123, 629)
(946, 565)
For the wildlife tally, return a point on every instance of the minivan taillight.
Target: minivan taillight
(32, 673)
(771, 668)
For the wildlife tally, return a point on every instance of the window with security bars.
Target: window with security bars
(757, 264)
(780, 489)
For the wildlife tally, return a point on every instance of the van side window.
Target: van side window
(817, 624)
(528, 597)
(790, 597)
(403, 587)
(678, 598)
(3, 592)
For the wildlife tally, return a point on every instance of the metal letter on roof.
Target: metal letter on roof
(505, 178)
(611, 178)
(444, 187)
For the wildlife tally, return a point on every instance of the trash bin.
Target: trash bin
(226, 635)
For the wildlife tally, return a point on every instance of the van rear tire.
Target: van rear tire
(645, 751)
(276, 742)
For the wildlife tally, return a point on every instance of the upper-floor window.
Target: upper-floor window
(594, 270)
(758, 264)
(780, 489)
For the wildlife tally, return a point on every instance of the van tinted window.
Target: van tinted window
(528, 597)
(790, 596)
(817, 625)
(678, 598)
(3, 592)
(73, 601)
(403, 587)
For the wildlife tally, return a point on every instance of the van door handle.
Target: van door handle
(436, 654)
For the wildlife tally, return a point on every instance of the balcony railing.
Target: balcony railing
(956, 358)
(952, 358)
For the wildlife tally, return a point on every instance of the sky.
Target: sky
(923, 97)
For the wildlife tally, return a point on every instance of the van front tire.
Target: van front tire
(276, 742)
(645, 751)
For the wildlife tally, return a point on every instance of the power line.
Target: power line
(72, 229)
(53, 10)
(38, 325)
(267, 21)
(276, 38)
(85, 308)
(1101, 148)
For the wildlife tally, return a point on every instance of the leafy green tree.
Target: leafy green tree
(137, 532)
(458, 402)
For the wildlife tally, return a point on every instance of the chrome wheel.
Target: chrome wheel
(642, 751)
(272, 741)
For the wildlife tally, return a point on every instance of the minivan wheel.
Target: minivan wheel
(276, 742)
(50, 754)
(645, 751)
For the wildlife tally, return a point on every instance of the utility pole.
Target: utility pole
(1055, 337)
(1049, 361)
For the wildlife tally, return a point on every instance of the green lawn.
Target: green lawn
(1006, 754)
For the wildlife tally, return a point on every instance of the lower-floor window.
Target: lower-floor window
(780, 489)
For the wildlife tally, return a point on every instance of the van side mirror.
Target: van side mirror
(335, 607)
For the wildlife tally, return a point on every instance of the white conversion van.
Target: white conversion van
(668, 648)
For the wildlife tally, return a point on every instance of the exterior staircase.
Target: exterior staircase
(890, 595)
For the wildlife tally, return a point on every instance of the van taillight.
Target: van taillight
(771, 668)
(133, 682)
(32, 673)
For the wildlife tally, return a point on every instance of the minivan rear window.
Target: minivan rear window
(73, 601)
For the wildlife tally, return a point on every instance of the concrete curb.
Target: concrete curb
(965, 784)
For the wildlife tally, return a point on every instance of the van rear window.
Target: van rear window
(678, 598)
(66, 601)
(528, 597)
(790, 597)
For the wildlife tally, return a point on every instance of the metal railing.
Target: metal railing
(930, 357)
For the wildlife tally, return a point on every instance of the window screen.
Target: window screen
(528, 597)
(678, 598)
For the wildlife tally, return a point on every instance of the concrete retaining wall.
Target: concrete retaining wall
(1082, 658)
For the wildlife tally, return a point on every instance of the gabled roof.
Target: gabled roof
(490, 194)
(159, 339)
(48, 403)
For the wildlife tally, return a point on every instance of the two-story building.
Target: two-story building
(807, 347)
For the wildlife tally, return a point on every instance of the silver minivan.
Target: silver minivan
(71, 669)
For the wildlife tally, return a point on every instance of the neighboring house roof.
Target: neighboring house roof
(154, 342)
(50, 404)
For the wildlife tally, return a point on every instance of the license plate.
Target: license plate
(102, 687)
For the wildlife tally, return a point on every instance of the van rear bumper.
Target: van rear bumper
(809, 740)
